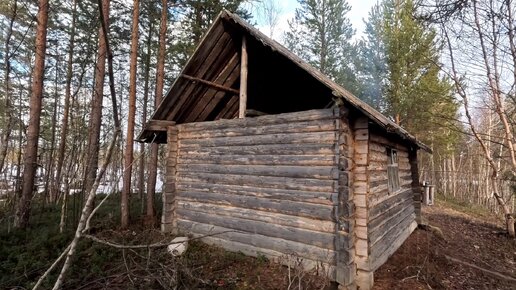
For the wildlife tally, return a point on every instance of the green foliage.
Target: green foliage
(372, 61)
(321, 34)
(400, 74)
(193, 18)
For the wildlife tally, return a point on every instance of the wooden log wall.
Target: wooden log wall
(275, 185)
(392, 215)
(168, 221)
(361, 186)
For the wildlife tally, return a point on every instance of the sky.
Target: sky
(359, 12)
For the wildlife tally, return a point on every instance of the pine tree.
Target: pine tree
(321, 34)
(31, 147)
(372, 60)
(198, 16)
(417, 97)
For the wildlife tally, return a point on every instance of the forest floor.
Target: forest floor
(470, 253)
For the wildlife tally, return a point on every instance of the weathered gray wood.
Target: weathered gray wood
(392, 201)
(392, 221)
(230, 107)
(228, 76)
(254, 113)
(415, 184)
(319, 239)
(381, 252)
(325, 198)
(158, 125)
(316, 211)
(209, 83)
(260, 121)
(306, 264)
(306, 160)
(243, 79)
(168, 218)
(282, 128)
(260, 241)
(303, 184)
(267, 149)
(315, 172)
(292, 138)
(259, 215)
(343, 214)
(377, 138)
(219, 41)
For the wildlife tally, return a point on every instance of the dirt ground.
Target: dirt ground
(470, 254)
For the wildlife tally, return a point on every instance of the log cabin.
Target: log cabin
(268, 156)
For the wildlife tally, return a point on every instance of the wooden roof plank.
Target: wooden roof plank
(203, 69)
(229, 75)
(191, 67)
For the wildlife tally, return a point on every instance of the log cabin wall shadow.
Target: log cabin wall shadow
(306, 178)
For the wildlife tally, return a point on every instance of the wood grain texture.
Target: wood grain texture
(260, 241)
(259, 215)
(316, 211)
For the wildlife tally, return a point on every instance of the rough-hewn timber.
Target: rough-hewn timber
(277, 184)
(391, 214)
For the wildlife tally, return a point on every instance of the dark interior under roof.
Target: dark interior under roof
(278, 82)
(275, 83)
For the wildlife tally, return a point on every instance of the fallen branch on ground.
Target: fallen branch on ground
(493, 273)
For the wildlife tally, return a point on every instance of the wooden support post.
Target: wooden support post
(210, 84)
(168, 217)
(243, 79)
(345, 208)
(416, 186)
(364, 278)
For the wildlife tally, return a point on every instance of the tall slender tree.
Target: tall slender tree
(66, 110)
(7, 110)
(321, 34)
(31, 147)
(92, 155)
(160, 73)
(128, 155)
(372, 60)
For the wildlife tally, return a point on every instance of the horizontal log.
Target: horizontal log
(381, 252)
(259, 215)
(378, 157)
(210, 84)
(267, 149)
(385, 216)
(281, 128)
(283, 246)
(390, 202)
(391, 222)
(375, 138)
(310, 160)
(319, 239)
(306, 264)
(317, 211)
(293, 138)
(314, 172)
(158, 125)
(262, 120)
(325, 198)
(304, 184)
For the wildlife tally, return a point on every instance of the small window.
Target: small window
(392, 170)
